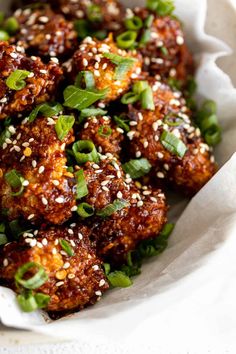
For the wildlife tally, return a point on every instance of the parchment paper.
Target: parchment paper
(201, 249)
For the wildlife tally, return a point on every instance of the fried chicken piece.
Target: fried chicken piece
(37, 154)
(197, 166)
(142, 217)
(73, 281)
(40, 85)
(104, 134)
(44, 33)
(165, 53)
(91, 57)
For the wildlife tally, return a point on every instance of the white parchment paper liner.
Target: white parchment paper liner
(202, 246)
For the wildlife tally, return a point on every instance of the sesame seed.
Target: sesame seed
(56, 182)
(102, 282)
(155, 126)
(98, 171)
(96, 73)
(118, 129)
(17, 148)
(95, 166)
(56, 242)
(25, 183)
(54, 251)
(95, 267)
(31, 216)
(85, 62)
(145, 144)
(138, 153)
(60, 283)
(118, 174)
(147, 192)
(133, 123)
(74, 208)
(33, 242)
(42, 71)
(80, 236)
(179, 40)
(34, 163)
(140, 203)
(39, 245)
(104, 183)
(59, 200)
(104, 188)
(44, 241)
(153, 199)
(160, 155)
(166, 167)
(5, 262)
(160, 175)
(70, 231)
(8, 141)
(44, 201)
(156, 137)
(119, 195)
(130, 135)
(12, 129)
(98, 293)
(41, 169)
(66, 265)
(71, 276)
(73, 224)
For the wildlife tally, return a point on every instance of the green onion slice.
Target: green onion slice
(148, 21)
(161, 7)
(15, 180)
(119, 279)
(104, 131)
(84, 151)
(173, 121)
(140, 86)
(126, 40)
(94, 13)
(36, 280)
(146, 99)
(42, 300)
(173, 144)
(122, 122)
(66, 247)
(81, 188)
(90, 112)
(46, 109)
(29, 302)
(145, 38)
(3, 237)
(134, 23)
(11, 25)
(85, 78)
(110, 209)
(15, 80)
(63, 126)
(85, 210)
(129, 98)
(80, 99)
(4, 36)
(123, 64)
(213, 135)
(137, 168)
(164, 51)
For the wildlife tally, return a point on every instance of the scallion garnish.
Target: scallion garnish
(85, 210)
(161, 7)
(81, 188)
(11, 25)
(15, 180)
(140, 86)
(38, 279)
(29, 302)
(4, 36)
(141, 91)
(129, 98)
(94, 13)
(16, 80)
(173, 121)
(134, 23)
(104, 131)
(85, 78)
(164, 50)
(64, 125)
(123, 122)
(137, 168)
(173, 144)
(90, 112)
(66, 247)
(80, 99)
(126, 40)
(4, 135)
(148, 21)
(110, 209)
(123, 64)
(46, 109)
(3, 237)
(84, 151)
(145, 38)
(146, 99)
(119, 279)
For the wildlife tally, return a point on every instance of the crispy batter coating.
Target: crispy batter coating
(166, 53)
(197, 166)
(104, 134)
(35, 151)
(102, 14)
(41, 84)
(142, 218)
(73, 281)
(90, 57)
(45, 33)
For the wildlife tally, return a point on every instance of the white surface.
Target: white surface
(203, 289)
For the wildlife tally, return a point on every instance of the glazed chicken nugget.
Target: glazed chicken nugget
(104, 134)
(138, 214)
(35, 154)
(45, 33)
(104, 60)
(164, 50)
(75, 277)
(169, 140)
(24, 81)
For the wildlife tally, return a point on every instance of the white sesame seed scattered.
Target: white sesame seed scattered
(25, 183)
(95, 166)
(71, 276)
(11, 129)
(42, 71)
(119, 174)
(98, 293)
(8, 141)
(145, 144)
(153, 199)
(104, 188)
(119, 195)
(104, 183)
(98, 171)
(31, 216)
(166, 167)
(73, 224)
(95, 267)
(33, 242)
(44, 201)
(54, 251)
(160, 175)
(80, 236)
(133, 123)
(5, 262)
(41, 169)
(130, 135)
(155, 126)
(85, 62)
(31, 75)
(160, 155)
(56, 242)
(138, 153)
(34, 163)
(74, 208)
(66, 265)
(179, 40)
(102, 282)
(120, 130)
(147, 192)
(39, 245)
(3, 100)
(140, 203)
(63, 253)
(13, 55)
(96, 73)
(17, 148)
(59, 283)
(56, 182)
(59, 200)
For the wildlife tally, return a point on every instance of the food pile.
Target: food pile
(97, 123)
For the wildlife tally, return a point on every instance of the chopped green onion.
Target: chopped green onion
(88, 78)
(140, 86)
(63, 126)
(173, 144)
(145, 38)
(161, 7)
(46, 109)
(146, 99)
(15, 80)
(84, 151)
(129, 98)
(213, 136)
(36, 280)
(101, 34)
(110, 209)
(123, 64)
(4, 135)
(66, 247)
(11, 25)
(122, 122)
(94, 13)
(164, 50)
(104, 131)
(85, 210)
(107, 268)
(173, 121)
(81, 188)
(148, 21)
(80, 99)
(126, 40)
(29, 302)
(3, 237)
(208, 123)
(2, 16)
(15, 180)
(119, 279)
(137, 168)
(90, 112)
(174, 83)
(133, 23)
(4, 36)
